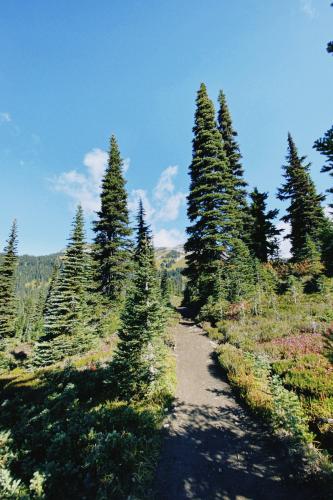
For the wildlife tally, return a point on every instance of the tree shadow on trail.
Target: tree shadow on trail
(218, 451)
(212, 453)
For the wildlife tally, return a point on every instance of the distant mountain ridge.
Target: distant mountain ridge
(39, 267)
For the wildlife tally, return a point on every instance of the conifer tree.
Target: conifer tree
(112, 244)
(51, 285)
(237, 185)
(312, 256)
(64, 311)
(65, 301)
(305, 213)
(327, 247)
(210, 207)
(238, 272)
(7, 285)
(263, 242)
(142, 231)
(135, 365)
(165, 291)
(325, 147)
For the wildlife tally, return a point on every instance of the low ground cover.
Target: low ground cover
(279, 363)
(64, 433)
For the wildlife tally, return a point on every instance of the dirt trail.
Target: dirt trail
(213, 449)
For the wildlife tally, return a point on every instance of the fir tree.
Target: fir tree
(325, 147)
(7, 286)
(210, 207)
(135, 365)
(112, 244)
(165, 289)
(237, 185)
(325, 144)
(238, 273)
(327, 247)
(263, 242)
(311, 254)
(142, 231)
(65, 307)
(305, 213)
(66, 298)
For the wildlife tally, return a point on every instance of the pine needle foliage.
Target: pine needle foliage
(305, 213)
(165, 287)
(7, 286)
(238, 185)
(135, 366)
(112, 243)
(65, 303)
(143, 232)
(238, 273)
(263, 233)
(325, 147)
(210, 206)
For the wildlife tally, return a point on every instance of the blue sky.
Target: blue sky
(72, 73)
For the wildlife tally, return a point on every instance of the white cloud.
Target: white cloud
(79, 188)
(95, 161)
(163, 205)
(126, 164)
(85, 187)
(308, 8)
(168, 203)
(165, 184)
(5, 117)
(328, 212)
(170, 208)
(133, 203)
(169, 238)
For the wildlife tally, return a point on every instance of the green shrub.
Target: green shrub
(310, 374)
(248, 375)
(287, 414)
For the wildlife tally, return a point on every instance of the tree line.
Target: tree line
(230, 233)
(114, 273)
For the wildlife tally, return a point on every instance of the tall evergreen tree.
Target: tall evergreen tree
(165, 289)
(263, 242)
(65, 301)
(210, 207)
(238, 272)
(142, 231)
(238, 184)
(112, 243)
(305, 213)
(135, 365)
(7, 285)
(325, 147)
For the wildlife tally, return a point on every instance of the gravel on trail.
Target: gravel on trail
(213, 448)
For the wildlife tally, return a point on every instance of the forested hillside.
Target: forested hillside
(87, 364)
(38, 269)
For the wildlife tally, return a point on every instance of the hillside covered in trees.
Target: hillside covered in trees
(87, 364)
